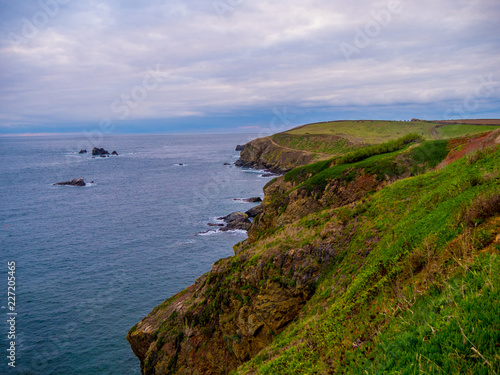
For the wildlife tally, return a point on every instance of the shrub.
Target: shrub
(482, 208)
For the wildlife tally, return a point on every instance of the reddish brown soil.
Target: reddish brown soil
(470, 145)
(471, 122)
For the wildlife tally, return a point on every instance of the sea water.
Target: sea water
(90, 262)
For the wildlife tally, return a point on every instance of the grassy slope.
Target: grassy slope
(453, 131)
(416, 287)
(339, 137)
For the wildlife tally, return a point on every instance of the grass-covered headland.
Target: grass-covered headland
(382, 260)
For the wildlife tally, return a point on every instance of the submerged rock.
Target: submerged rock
(75, 182)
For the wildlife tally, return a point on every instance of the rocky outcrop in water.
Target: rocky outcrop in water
(99, 151)
(83, 152)
(240, 147)
(75, 182)
(255, 211)
(236, 221)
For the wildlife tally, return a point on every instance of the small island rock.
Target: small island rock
(99, 151)
(75, 182)
(83, 152)
(114, 153)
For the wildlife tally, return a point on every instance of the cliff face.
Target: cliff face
(263, 153)
(229, 314)
(332, 259)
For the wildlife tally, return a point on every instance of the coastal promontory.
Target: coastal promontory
(376, 251)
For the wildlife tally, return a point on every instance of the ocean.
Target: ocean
(90, 262)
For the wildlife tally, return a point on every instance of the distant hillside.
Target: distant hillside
(319, 141)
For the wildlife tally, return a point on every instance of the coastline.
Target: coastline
(334, 233)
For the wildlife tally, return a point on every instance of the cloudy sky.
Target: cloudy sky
(234, 65)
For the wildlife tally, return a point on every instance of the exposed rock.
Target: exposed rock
(99, 151)
(263, 153)
(83, 152)
(227, 164)
(253, 200)
(249, 200)
(254, 211)
(215, 225)
(236, 220)
(270, 175)
(240, 147)
(114, 153)
(217, 324)
(75, 182)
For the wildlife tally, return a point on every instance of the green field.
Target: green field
(367, 131)
(339, 137)
(454, 131)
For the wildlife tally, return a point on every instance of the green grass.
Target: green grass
(340, 137)
(317, 143)
(370, 132)
(412, 291)
(455, 131)
(384, 163)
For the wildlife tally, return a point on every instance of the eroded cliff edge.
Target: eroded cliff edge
(311, 219)
(264, 153)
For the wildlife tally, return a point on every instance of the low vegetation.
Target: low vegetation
(376, 261)
(415, 290)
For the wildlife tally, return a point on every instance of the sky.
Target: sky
(155, 66)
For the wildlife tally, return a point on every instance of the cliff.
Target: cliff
(347, 254)
(264, 153)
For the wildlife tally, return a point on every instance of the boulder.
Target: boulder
(83, 152)
(248, 200)
(254, 211)
(99, 151)
(236, 220)
(114, 153)
(240, 147)
(75, 182)
(253, 200)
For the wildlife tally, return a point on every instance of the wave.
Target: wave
(218, 231)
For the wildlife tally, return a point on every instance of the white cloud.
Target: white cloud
(257, 55)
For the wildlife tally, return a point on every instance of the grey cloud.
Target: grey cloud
(255, 56)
